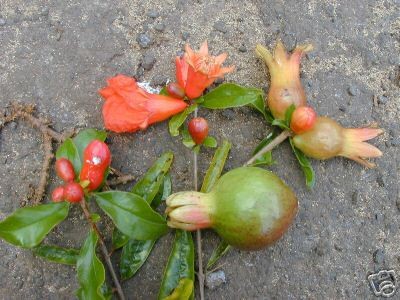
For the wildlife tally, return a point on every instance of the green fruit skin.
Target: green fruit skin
(323, 141)
(250, 208)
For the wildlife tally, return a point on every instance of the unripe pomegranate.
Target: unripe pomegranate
(249, 207)
(96, 160)
(58, 194)
(303, 119)
(65, 169)
(286, 88)
(73, 192)
(175, 90)
(327, 139)
(198, 130)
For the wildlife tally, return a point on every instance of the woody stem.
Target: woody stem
(103, 248)
(275, 142)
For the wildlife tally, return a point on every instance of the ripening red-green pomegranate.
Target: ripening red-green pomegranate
(249, 207)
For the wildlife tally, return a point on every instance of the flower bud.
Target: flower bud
(58, 194)
(175, 90)
(198, 130)
(73, 192)
(303, 119)
(65, 169)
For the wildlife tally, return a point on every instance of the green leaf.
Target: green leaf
(187, 139)
(132, 215)
(210, 142)
(67, 256)
(148, 186)
(91, 273)
(266, 158)
(231, 95)
(106, 291)
(84, 137)
(180, 264)
(70, 152)
(164, 191)
(259, 105)
(177, 120)
(183, 291)
(305, 165)
(217, 254)
(216, 166)
(28, 226)
(133, 256)
(118, 239)
(95, 218)
(135, 253)
(281, 124)
(288, 114)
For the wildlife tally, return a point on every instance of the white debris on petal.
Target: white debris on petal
(146, 86)
(96, 160)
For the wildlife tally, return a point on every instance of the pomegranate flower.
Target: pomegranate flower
(327, 139)
(129, 108)
(196, 71)
(286, 88)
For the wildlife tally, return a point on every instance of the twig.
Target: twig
(120, 180)
(200, 274)
(275, 142)
(103, 248)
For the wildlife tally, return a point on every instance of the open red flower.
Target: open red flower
(196, 71)
(129, 108)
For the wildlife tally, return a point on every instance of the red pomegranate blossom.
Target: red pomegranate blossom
(129, 108)
(196, 71)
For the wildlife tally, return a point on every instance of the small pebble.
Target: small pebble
(215, 279)
(342, 108)
(220, 26)
(2, 22)
(355, 197)
(379, 256)
(149, 60)
(44, 11)
(242, 48)
(380, 180)
(152, 14)
(353, 91)
(395, 142)
(160, 27)
(144, 40)
(13, 125)
(382, 99)
(185, 35)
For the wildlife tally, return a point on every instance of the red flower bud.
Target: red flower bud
(58, 194)
(73, 192)
(65, 169)
(198, 130)
(96, 160)
(175, 90)
(303, 119)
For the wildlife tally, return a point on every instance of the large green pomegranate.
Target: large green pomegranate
(249, 207)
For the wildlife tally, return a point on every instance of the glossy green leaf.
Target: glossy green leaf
(216, 166)
(183, 291)
(91, 273)
(148, 186)
(259, 105)
(263, 160)
(218, 253)
(95, 218)
(84, 137)
(268, 116)
(187, 139)
(305, 165)
(69, 151)
(266, 158)
(281, 124)
(133, 256)
(231, 95)
(180, 264)
(28, 226)
(164, 191)
(118, 239)
(289, 113)
(132, 215)
(177, 120)
(106, 291)
(67, 256)
(210, 142)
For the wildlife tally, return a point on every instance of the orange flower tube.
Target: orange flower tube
(196, 71)
(129, 108)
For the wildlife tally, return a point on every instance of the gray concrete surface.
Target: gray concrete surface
(57, 54)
